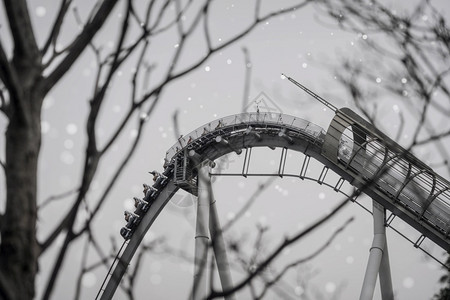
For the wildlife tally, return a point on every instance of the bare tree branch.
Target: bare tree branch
(4, 106)
(5, 291)
(84, 257)
(278, 250)
(80, 43)
(9, 78)
(205, 26)
(54, 33)
(25, 47)
(3, 165)
(40, 84)
(57, 197)
(261, 188)
(92, 154)
(273, 281)
(432, 138)
(162, 12)
(115, 177)
(232, 40)
(133, 105)
(420, 59)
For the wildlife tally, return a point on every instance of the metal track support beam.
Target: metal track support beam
(220, 252)
(378, 263)
(201, 234)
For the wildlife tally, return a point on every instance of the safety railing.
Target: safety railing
(234, 122)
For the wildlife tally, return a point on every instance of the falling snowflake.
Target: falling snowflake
(128, 204)
(45, 127)
(68, 144)
(67, 157)
(41, 11)
(330, 287)
(116, 108)
(48, 102)
(231, 215)
(133, 133)
(144, 116)
(395, 108)
(408, 282)
(299, 290)
(71, 128)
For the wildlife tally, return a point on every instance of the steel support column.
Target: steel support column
(220, 251)
(387, 292)
(201, 234)
(378, 260)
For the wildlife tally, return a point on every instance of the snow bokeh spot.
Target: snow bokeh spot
(45, 127)
(330, 287)
(71, 128)
(67, 157)
(408, 282)
(41, 11)
(128, 204)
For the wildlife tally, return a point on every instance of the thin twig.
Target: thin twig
(288, 241)
(57, 197)
(273, 281)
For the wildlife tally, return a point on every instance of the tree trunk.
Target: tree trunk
(19, 249)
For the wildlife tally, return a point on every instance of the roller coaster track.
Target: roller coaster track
(351, 147)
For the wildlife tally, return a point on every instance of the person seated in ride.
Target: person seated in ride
(155, 175)
(219, 125)
(146, 188)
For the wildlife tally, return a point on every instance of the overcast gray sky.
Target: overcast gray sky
(295, 44)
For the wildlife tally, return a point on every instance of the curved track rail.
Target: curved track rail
(351, 147)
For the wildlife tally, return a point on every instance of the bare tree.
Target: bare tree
(403, 54)
(31, 68)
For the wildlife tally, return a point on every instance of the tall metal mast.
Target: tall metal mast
(311, 93)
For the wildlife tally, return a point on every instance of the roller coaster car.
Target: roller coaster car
(126, 233)
(168, 171)
(161, 181)
(141, 205)
(150, 193)
(131, 218)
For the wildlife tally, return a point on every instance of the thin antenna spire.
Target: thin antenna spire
(311, 93)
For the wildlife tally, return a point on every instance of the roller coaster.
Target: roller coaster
(397, 181)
